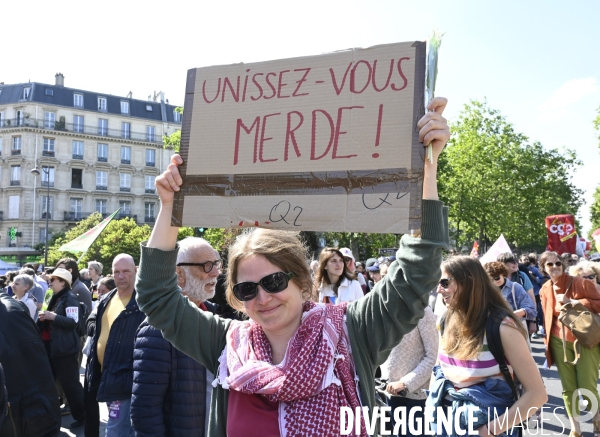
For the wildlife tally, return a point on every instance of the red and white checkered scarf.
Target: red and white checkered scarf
(315, 378)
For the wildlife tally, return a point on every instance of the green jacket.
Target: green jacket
(376, 323)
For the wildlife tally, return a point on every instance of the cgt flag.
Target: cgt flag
(82, 243)
(562, 236)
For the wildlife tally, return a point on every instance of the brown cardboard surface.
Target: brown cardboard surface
(330, 135)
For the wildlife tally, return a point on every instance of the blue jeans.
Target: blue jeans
(119, 422)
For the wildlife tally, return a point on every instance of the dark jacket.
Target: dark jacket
(115, 380)
(63, 329)
(169, 387)
(82, 294)
(29, 381)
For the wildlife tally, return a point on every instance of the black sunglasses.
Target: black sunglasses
(347, 259)
(207, 266)
(591, 277)
(445, 283)
(496, 278)
(557, 264)
(273, 283)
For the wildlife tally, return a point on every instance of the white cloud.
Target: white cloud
(571, 92)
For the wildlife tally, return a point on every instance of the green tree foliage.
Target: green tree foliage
(495, 181)
(173, 141)
(595, 212)
(120, 236)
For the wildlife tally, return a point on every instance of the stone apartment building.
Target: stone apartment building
(93, 152)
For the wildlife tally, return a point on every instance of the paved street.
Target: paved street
(555, 421)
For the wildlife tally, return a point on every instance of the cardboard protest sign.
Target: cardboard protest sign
(319, 143)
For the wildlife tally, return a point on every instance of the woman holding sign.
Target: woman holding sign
(293, 367)
(59, 332)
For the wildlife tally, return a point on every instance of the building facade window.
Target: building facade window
(77, 149)
(124, 107)
(15, 175)
(176, 116)
(102, 127)
(43, 235)
(78, 123)
(78, 100)
(101, 180)
(48, 149)
(26, 92)
(101, 206)
(13, 207)
(46, 207)
(149, 212)
(102, 104)
(47, 176)
(125, 206)
(16, 146)
(125, 155)
(102, 152)
(75, 208)
(125, 181)
(1, 119)
(49, 120)
(77, 178)
(150, 184)
(150, 134)
(150, 157)
(126, 130)
(20, 117)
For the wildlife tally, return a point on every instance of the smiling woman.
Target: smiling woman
(292, 367)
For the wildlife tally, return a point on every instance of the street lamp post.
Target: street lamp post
(36, 172)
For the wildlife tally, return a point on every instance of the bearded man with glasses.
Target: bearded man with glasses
(171, 391)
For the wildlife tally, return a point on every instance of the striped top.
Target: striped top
(464, 373)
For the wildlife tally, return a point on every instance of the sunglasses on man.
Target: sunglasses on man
(557, 264)
(207, 266)
(273, 283)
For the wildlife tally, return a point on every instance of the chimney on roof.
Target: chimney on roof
(130, 95)
(60, 79)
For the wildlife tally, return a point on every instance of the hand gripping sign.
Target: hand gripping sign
(320, 143)
(562, 236)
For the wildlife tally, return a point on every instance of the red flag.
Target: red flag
(562, 236)
(475, 250)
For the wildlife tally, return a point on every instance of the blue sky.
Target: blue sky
(535, 61)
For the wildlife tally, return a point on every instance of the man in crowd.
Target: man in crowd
(28, 376)
(42, 283)
(109, 372)
(171, 391)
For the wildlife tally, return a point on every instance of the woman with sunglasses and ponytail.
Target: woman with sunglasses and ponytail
(289, 369)
(558, 291)
(335, 282)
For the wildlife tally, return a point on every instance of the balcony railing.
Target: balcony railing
(150, 191)
(44, 215)
(15, 151)
(150, 164)
(1, 215)
(102, 159)
(125, 161)
(79, 128)
(148, 219)
(77, 186)
(75, 216)
(101, 187)
(48, 184)
(125, 189)
(15, 183)
(77, 156)
(48, 153)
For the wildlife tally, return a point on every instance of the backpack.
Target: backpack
(492, 334)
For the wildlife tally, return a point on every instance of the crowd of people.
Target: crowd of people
(291, 342)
